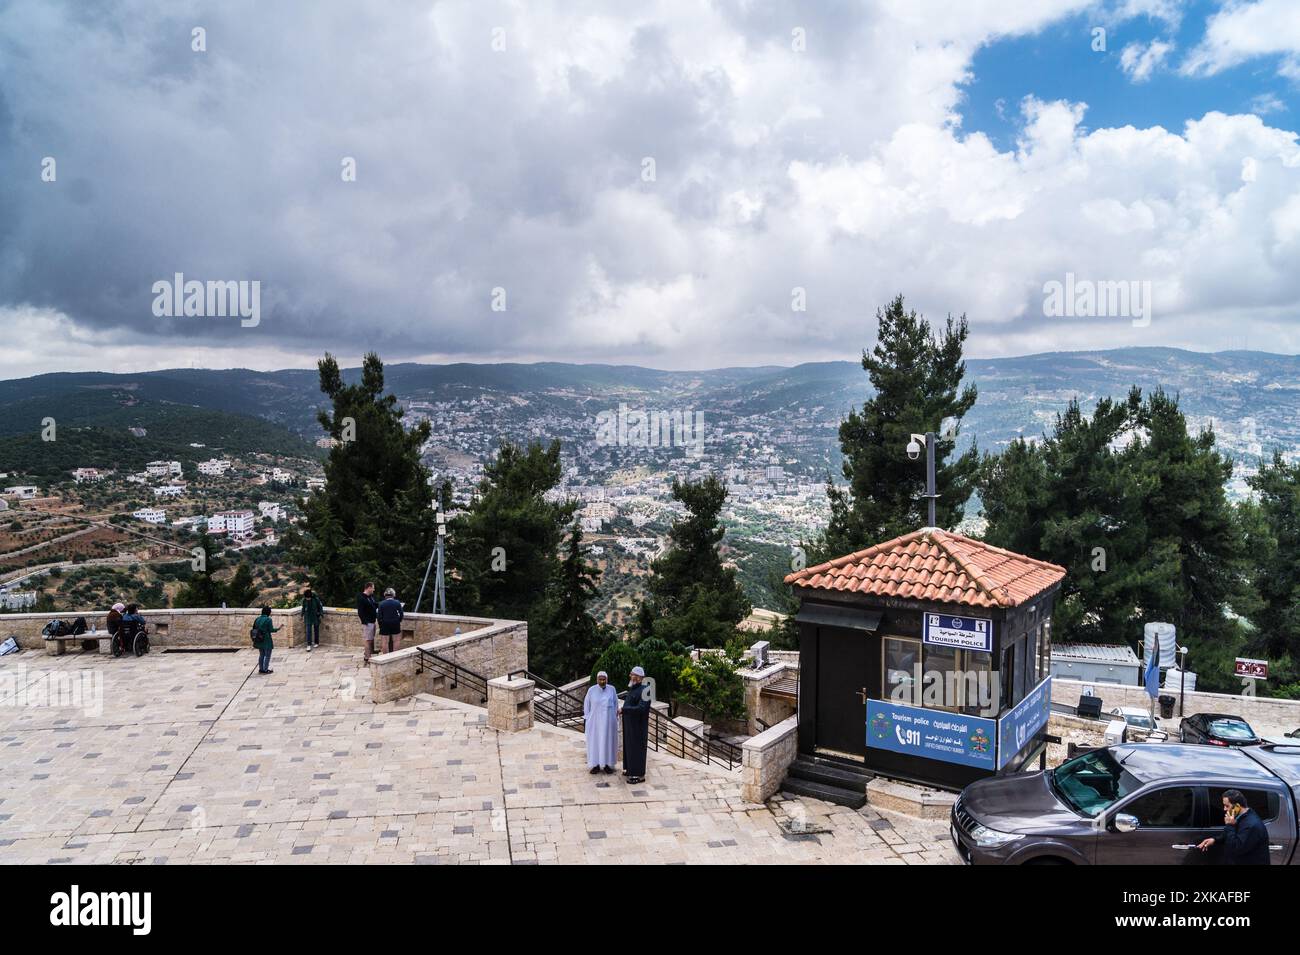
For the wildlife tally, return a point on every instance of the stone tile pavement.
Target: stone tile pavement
(195, 758)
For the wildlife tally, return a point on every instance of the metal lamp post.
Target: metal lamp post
(914, 452)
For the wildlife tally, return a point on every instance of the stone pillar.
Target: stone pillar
(765, 759)
(510, 704)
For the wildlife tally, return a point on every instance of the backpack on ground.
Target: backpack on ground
(9, 646)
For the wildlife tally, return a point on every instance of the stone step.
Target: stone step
(841, 797)
(829, 774)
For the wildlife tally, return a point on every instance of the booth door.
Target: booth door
(841, 680)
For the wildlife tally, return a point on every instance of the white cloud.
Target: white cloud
(1244, 30)
(842, 170)
(1139, 61)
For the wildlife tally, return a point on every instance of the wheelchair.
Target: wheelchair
(131, 637)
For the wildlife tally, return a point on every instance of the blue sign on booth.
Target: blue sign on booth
(964, 633)
(933, 734)
(1023, 721)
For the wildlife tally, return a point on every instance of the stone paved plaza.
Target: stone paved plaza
(195, 758)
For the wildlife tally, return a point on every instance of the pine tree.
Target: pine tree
(1196, 560)
(569, 639)
(504, 548)
(1135, 509)
(916, 376)
(373, 520)
(202, 589)
(240, 590)
(1274, 546)
(693, 599)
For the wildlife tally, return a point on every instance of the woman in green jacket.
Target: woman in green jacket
(264, 627)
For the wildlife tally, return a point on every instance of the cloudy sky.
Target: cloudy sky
(661, 183)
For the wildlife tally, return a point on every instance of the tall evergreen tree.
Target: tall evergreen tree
(569, 639)
(1134, 507)
(1274, 548)
(916, 377)
(504, 548)
(240, 591)
(1196, 567)
(202, 589)
(693, 599)
(373, 519)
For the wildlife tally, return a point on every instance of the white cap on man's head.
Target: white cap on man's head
(637, 671)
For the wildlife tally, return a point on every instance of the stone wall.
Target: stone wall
(219, 627)
(167, 628)
(1264, 714)
(765, 760)
(758, 707)
(493, 651)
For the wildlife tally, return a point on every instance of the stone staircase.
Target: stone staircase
(827, 780)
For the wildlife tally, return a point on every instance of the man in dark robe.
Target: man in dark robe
(636, 727)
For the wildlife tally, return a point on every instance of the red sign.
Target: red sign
(1249, 669)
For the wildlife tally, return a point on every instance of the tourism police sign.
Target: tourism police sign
(933, 734)
(964, 633)
(1023, 721)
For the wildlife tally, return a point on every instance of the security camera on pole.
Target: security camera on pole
(439, 583)
(914, 451)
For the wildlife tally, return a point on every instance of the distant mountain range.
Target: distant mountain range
(1253, 397)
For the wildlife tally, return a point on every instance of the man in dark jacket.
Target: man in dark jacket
(312, 611)
(390, 621)
(367, 613)
(1245, 837)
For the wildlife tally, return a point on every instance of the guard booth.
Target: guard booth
(926, 658)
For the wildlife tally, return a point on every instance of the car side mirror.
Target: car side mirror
(1125, 823)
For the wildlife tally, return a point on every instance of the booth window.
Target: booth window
(978, 691)
(900, 658)
(1007, 675)
(1044, 649)
(965, 676)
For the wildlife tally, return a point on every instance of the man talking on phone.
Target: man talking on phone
(1245, 838)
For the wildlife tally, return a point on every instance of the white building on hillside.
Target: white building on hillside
(87, 474)
(154, 515)
(169, 490)
(271, 511)
(214, 467)
(231, 522)
(162, 468)
(24, 492)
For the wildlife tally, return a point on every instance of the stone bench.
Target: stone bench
(57, 646)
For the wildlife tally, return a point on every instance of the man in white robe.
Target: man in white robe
(600, 712)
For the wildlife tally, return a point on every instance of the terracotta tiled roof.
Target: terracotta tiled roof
(935, 565)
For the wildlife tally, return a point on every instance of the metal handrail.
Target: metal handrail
(665, 733)
(549, 709)
(452, 669)
(678, 741)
